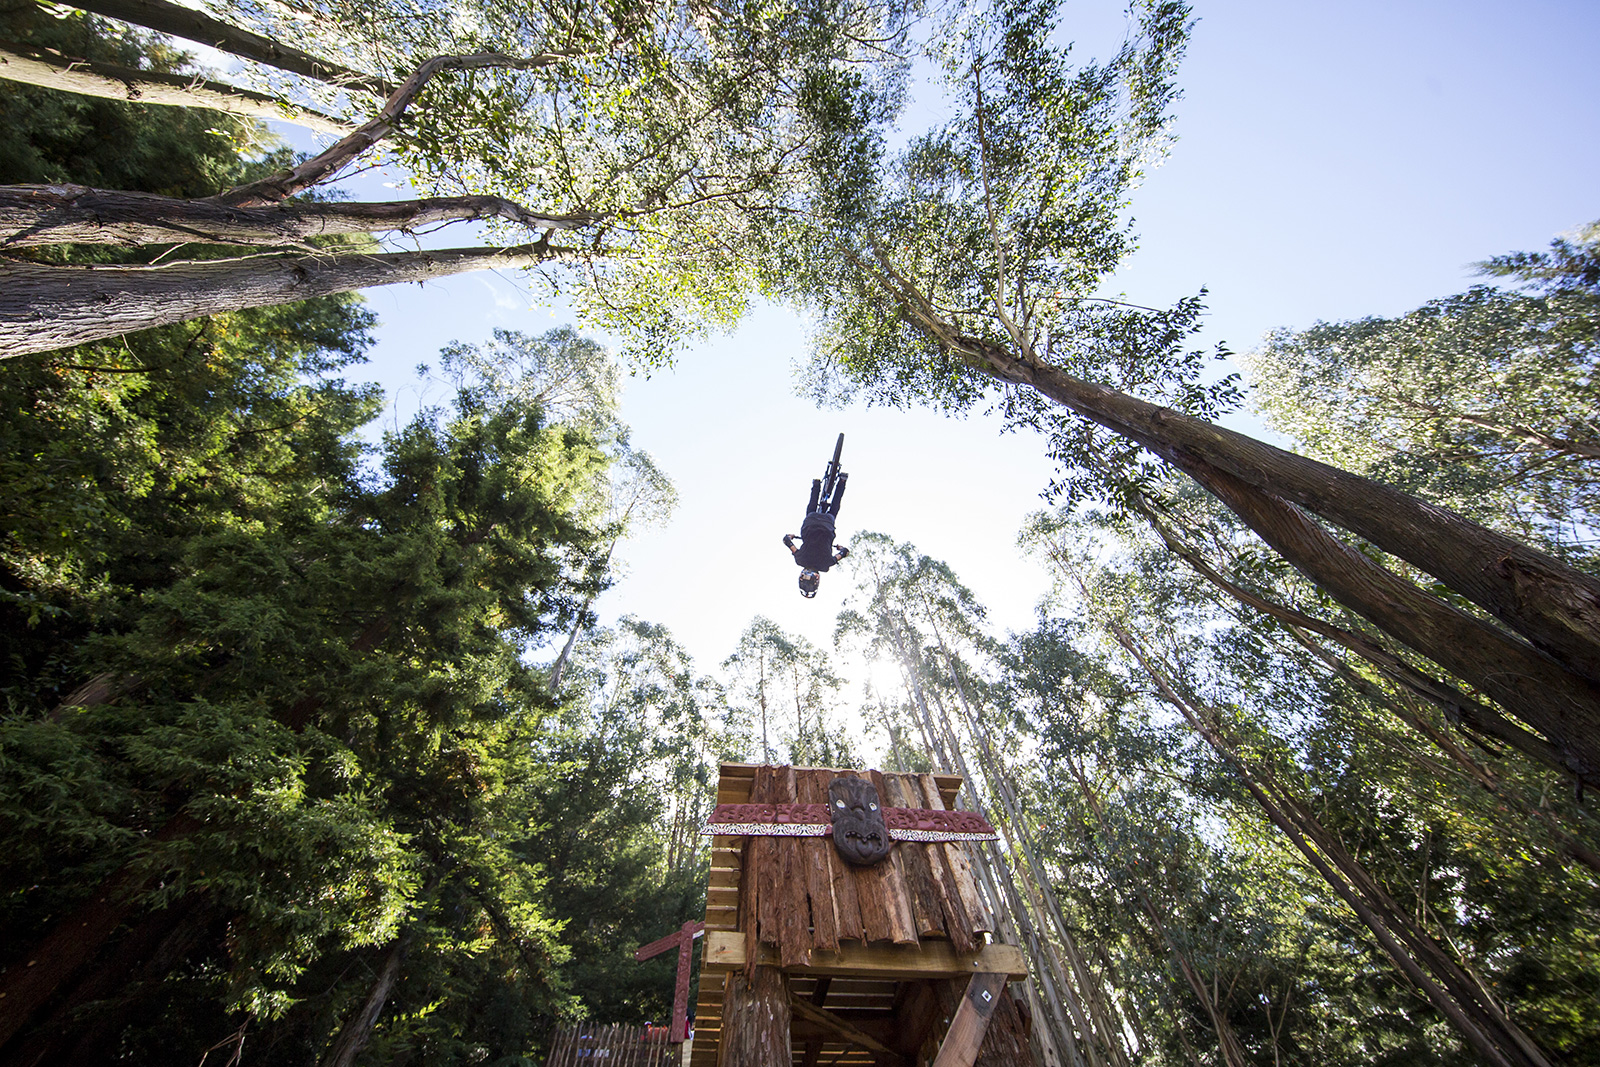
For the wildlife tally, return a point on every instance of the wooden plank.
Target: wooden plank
(724, 951)
(793, 933)
(928, 914)
(959, 860)
(961, 1041)
(760, 916)
(847, 906)
(822, 1017)
(958, 924)
(876, 919)
(818, 873)
(896, 882)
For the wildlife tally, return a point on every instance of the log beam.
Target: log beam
(725, 951)
(829, 1021)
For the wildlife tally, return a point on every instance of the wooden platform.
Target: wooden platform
(874, 956)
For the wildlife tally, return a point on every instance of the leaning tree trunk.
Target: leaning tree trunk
(112, 81)
(1458, 707)
(1554, 606)
(1477, 1018)
(196, 26)
(43, 308)
(34, 215)
(353, 1035)
(1560, 704)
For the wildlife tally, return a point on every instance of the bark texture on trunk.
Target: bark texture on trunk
(1458, 707)
(353, 1036)
(112, 81)
(43, 308)
(53, 961)
(1554, 606)
(194, 25)
(34, 215)
(756, 1019)
(1562, 706)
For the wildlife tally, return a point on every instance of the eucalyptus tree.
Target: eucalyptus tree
(1484, 402)
(642, 146)
(971, 272)
(757, 664)
(911, 610)
(779, 679)
(1342, 784)
(638, 495)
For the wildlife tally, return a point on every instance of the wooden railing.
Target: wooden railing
(616, 1045)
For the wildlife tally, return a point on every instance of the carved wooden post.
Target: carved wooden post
(756, 1019)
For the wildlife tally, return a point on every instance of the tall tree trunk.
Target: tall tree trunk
(353, 1035)
(1553, 605)
(57, 958)
(201, 28)
(33, 215)
(1476, 1017)
(112, 81)
(43, 308)
(1080, 1001)
(1009, 907)
(1228, 1045)
(1457, 706)
(1560, 704)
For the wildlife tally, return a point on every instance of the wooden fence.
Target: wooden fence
(617, 1045)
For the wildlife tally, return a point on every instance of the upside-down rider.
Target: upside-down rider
(816, 551)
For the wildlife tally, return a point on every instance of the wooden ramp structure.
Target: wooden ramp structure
(811, 962)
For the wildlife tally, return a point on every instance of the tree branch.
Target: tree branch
(193, 25)
(287, 183)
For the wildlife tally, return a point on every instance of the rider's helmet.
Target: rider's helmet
(808, 583)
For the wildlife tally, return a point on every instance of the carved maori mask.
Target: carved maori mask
(858, 829)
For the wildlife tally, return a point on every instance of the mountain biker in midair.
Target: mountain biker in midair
(816, 552)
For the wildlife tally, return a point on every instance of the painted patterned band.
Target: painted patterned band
(768, 829)
(801, 829)
(939, 835)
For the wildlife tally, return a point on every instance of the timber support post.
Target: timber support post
(756, 1019)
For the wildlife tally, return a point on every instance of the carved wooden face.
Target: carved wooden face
(858, 830)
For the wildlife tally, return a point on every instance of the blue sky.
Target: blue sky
(1332, 161)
